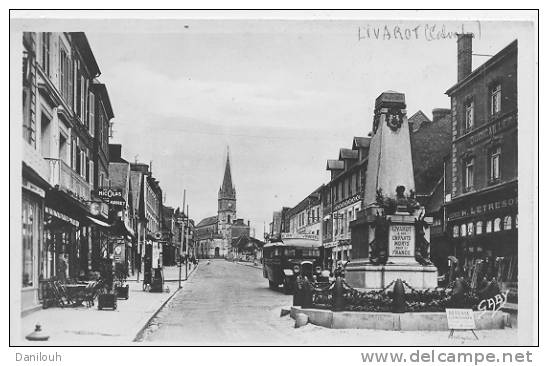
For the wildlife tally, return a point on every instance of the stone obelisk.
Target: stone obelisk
(390, 164)
(392, 235)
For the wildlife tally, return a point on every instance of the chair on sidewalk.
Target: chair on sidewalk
(93, 289)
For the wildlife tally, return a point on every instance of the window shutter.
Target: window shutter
(82, 86)
(91, 172)
(91, 112)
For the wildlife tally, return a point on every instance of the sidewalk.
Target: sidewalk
(171, 274)
(89, 326)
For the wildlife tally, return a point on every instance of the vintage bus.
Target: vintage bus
(282, 259)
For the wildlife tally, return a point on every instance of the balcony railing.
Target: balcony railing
(68, 180)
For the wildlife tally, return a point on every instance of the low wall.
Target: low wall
(396, 321)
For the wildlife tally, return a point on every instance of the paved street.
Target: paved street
(228, 303)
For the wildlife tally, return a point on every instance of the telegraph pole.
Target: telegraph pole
(183, 240)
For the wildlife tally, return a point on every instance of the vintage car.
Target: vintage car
(282, 260)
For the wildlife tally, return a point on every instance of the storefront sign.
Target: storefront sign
(492, 130)
(110, 195)
(478, 209)
(401, 241)
(61, 216)
(33, 188)
(460, 319)
(355, 198)
(119, 251)
(299, 236)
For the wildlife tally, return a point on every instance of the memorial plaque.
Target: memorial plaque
(401, 241)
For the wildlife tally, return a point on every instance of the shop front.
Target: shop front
(484, 236)
(32, 216)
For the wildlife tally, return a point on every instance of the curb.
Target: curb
(138, 337)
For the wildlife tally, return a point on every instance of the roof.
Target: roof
(345, 153)
(207, 221)
(227, 188)
(85, 49)
(417, 120)
(335, 165)
(311, 200)
(101, 90)
(429, 145)
(511, 48)
(361, 142)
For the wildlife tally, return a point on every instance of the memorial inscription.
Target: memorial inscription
(402, 241)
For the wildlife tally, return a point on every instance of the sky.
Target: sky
(284, 96)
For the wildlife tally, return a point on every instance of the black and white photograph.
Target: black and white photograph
(273, 178)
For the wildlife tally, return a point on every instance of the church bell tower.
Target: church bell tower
(227, 201)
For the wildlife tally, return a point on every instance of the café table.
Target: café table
(76, 293)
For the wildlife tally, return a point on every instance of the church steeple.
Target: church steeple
(227, 189)
(227, 200)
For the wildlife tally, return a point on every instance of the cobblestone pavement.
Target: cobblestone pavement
(230, 304)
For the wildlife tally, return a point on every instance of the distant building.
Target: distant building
(214, 234)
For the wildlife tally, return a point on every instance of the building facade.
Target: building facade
(342, 197)
(482, 191)
(59, 70)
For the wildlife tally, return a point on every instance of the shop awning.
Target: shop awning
(98, 222)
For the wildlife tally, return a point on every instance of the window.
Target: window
(29, 221)
(341, 185)
(468, 116)
(358, 175)
(350, 179)
(494, 164)
(45, 137)
(65, 81)
(456, 231)
(91, 173)
(463, 230)
(495, 98)
(468, 173)
(91, 114)
(45, 61)
(516, 221)
(508, 223)
(496, 224)
(470, 229)
(479, 227)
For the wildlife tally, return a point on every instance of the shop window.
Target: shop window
(496, 224)
(463, 230)
(479, 227)
(29, 221)
(455, 231)
(507, 222)
(489, 226)
(470, 229)
(516, 222)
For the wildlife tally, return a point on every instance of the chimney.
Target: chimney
(439, 113)
(464, 55)
(114, 152)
